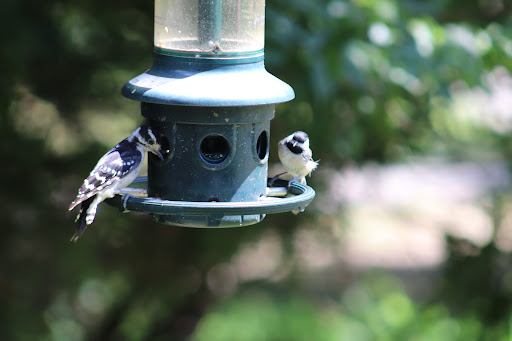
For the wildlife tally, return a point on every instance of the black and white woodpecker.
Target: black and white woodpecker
(113, 172)
(296, 156)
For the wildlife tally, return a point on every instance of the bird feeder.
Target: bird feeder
(211, 99)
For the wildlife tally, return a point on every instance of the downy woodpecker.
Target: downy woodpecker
(113, 172)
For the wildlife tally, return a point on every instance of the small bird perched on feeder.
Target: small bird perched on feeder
(113, 172)
(296, 156)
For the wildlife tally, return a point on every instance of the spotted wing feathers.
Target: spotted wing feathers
(107, 172)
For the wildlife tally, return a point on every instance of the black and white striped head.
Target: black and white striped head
(297, 142)
(148, 140)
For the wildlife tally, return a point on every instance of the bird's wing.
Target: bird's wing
(108, 170)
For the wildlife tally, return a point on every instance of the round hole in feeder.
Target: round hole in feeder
(262, 145)
(214, 149)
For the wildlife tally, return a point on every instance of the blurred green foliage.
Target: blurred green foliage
(377, 308)
(375, 80)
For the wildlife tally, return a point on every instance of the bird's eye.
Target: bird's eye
(151, 141)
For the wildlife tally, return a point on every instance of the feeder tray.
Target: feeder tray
(284, 198)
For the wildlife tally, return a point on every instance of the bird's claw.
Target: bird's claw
(292, 181)
(298, 179)
(125, 201)
(270, 182)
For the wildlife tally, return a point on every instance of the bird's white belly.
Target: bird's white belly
(294, 164)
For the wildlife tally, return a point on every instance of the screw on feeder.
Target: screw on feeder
(209, 96)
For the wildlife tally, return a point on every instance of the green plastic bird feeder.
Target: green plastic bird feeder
(209, 96)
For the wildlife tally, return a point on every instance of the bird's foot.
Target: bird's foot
(125, 201)
(299, 179)
(270, 182)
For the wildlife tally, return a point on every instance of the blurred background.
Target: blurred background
(408, 106)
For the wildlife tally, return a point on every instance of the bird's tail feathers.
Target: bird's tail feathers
(81, 219)
(311, 166)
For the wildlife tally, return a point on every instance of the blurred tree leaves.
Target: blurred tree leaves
(353, 53)
(377, 308)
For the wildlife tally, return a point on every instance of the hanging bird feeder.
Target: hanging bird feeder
(209, 96)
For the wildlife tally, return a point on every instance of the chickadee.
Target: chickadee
(113, 172)
(296, 156)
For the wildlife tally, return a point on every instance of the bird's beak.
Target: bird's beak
(157, 153)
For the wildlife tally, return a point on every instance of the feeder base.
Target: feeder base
(208, 221)
(214, 214)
